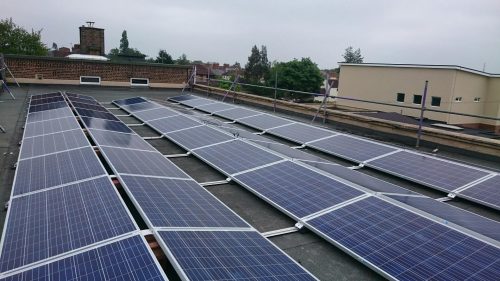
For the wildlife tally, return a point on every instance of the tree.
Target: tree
(351, 56)
(182, 60)
(299, 75)
(16, 40)
(257, 67)
(164, 57)
(124, 43)
(125, 52)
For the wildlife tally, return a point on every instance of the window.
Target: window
(90, 80)
(400, 97)
(458, 99)
(477, 99)
(139, 81)
(436, 101)
(417, 99)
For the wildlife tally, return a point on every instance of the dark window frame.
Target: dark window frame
(419, 97)
(436, 101)
(400, 97)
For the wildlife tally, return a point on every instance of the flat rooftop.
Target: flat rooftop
(321, 258)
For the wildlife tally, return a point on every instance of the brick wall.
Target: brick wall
(70, 69)
(92, 41)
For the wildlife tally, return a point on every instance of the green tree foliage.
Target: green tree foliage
(16, 40)
(182, 60)
(299, 75)
(164, 57)
(352, 56)
(124, 43)
(258, 66)
(119, 54)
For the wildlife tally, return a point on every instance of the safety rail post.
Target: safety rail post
(421, 120)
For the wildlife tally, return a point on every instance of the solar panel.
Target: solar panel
(140, 106)
(430, 171)
(138, 162)
(296, 189)
(51, 143)
(197, 102)
(264, 121)
(89, 106)
(179, 203)
(230, 255)
(174, 123)
(352, 148)
(120, 140)
(286, 150)
(198, 137)
(56, 169)
(47, 106)
(155, 113)
(453, 214)
(129, 101)
(83, 100)
(486, 192)
(127, 259)
(44, 96)
(103, 124)
(366, 181)
(217, 106)
(49, 223)
(236, 113)
(300, 133)
(46, 100)
(50, 114)
(407, 246)
(96, 114)
(235, 156)
(51, 126)
(80, 96)
(183, 97)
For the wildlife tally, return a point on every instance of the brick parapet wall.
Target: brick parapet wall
(69, 69)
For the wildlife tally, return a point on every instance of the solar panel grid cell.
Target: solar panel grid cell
(50, 126)
(140, 106)
(230, 255)
(217, 106)
(89, 106)
(183, 97)
(49, 223)
(487, 191)
(103, 124)
(47, 106)
(236, 113)
(44, 96)
(198, 137)
(51, 143)
(130, 101)
(174, 123)
(264, 121)
(81, 96)
(46, 100)
(49, 114)
(197, 102)
(407, 246)
(301, 133)
(82, 100)
(97, 114)
(120, 140)
(179, 203)
(155, 113)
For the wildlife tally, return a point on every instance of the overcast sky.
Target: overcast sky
(458, 32)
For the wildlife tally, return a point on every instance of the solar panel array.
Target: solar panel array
(65, 219)
(169, 201)
(440, 174)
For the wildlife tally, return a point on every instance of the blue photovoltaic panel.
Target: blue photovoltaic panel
(453, 214)
(230, 255)
(218, 106)
(427, 170)
(140, 106)
(179, 203)
(236, 156)
(355, 149)
(183, 97)
(137, 162)
(300, 133)
(155, 113)
(50, 126)
(198, 137)
(286, 150)
(296, 189)
(407, 246)
(83, 100)
(130, 101)
(90, 106)
(486, 192)
(47, 106)
(80, 96)
(96, 114)
(51, 143)
(264, 121)
(56, 169)
(197, 102)
(174, 123)
(46, 100)
(108, 125)
(45, 224)
(127, 259)
(236, 113)
(50, 114)
(361, 179)
(44, 96)
(120, 140)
